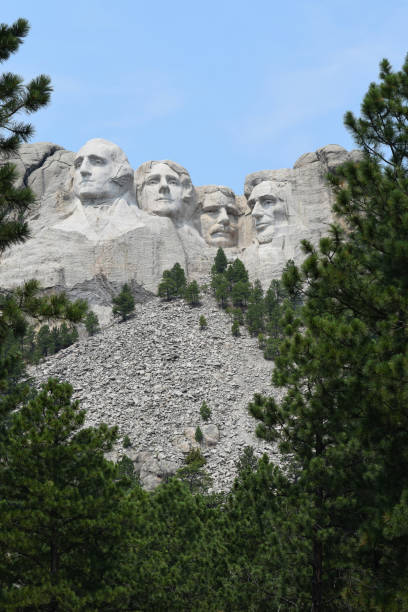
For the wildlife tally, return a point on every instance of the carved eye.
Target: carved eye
(173, 181)
(269, 202)
(152, 181)
(211, 209)
(78, 162)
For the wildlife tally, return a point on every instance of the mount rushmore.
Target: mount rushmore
(97, 223)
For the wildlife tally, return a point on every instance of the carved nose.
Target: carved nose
(164, 188)
(257, 211)
(223, 218)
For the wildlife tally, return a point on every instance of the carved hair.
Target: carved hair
(203, 192)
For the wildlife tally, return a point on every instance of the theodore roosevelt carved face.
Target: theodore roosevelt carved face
(164, 188)
(101, 173)
(269, 209)
(219, 217)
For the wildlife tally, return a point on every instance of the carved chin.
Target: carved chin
(265, 236)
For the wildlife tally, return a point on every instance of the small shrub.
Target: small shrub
(205, 411)
(235, 329)
(203, 322)
(126, 442)
(261, 341)
(92, 323)
(198, 435)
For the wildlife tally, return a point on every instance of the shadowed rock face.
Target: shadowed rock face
(95, 217)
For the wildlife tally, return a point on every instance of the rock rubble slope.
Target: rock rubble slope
(150, 376)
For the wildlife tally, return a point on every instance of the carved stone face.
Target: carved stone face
(101, 172)
(268, 210)
(162, 191)
(219, 216)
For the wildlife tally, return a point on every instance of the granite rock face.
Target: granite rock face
(97, 221)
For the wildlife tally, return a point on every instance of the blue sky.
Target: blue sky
(223, 87)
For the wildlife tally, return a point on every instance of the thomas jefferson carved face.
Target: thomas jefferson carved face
(219, 216)
(101, 172)
(162, 191)
(268, 208)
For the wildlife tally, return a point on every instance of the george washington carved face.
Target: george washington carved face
(101, 173)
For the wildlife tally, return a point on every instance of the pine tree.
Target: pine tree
(15, 97)
(167, 287)
(192, 293)
(220, 285)
(205, 411)
(123, 303)
(92, 323)
(256, 309)
(178, 275)
(240, 293)
(235, 331)
(220, 262)
(63, 515)
(202, 322)
(342, 427)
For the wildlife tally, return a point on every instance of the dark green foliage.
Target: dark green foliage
(247, 462)
(205, 411)
(92, 323)
(126, 442)
(179, 277)
(342, 426)
(173, 283)
(126, 470)
(15, 98)
(198, 435)
(220, 262)
(220, 284)
(192, 293)
(63, 512)
(167, 286)
(236, 272)
(237, 316)
(193, 473)
(123, 303)
(203, 322)
(240, 293)
(235, 328)
(256, 310)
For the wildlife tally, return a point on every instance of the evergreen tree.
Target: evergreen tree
(220, 262)
(235, 328)
(342, 425)
(123, 303)
(203, 322)
(240, 293)
(221, 290)
(205, 411)
(167, 286)
(15, 98)
(192, 293)
(256, 309)
(193, 473)
(64, 513)
(237, 272)
(92, 323)
(179, 277)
